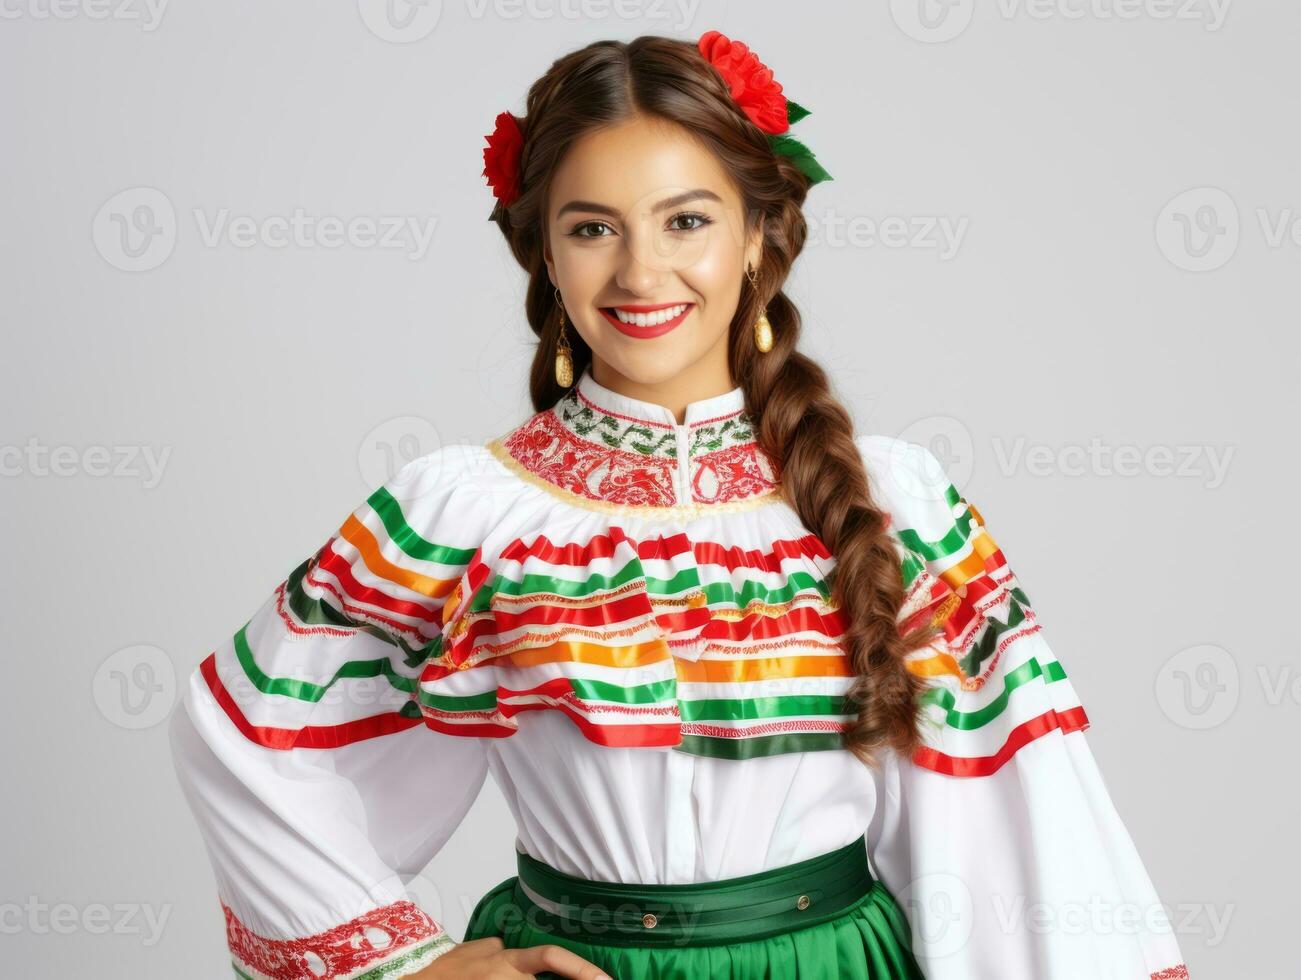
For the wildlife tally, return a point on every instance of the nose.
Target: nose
(637, 276)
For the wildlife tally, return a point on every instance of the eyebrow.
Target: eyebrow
(699, 193)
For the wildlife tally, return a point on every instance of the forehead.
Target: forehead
(633, 164)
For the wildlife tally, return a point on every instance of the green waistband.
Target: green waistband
(730, 910)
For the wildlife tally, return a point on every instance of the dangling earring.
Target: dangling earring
(762, 328)
(564, 355)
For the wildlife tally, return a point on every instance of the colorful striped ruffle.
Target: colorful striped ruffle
(995, 683)
(641, 632)
(647, 641)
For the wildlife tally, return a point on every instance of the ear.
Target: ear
(548, 259)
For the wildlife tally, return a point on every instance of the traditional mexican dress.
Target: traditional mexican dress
(620, 618)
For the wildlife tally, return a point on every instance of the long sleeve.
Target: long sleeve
(300, 746)
(999, 837)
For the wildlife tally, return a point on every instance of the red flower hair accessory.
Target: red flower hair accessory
(501, 159)
(750, 83)
(760, 97)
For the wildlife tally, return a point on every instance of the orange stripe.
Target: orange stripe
(962, 572)
(633, 655)
(936, 666)
(763, 668)
(361, 538)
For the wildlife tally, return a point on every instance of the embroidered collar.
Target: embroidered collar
(604, 446)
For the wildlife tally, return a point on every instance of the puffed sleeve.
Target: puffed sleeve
(299, 744)
(999, 837)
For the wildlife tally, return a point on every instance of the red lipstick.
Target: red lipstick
(632, 330)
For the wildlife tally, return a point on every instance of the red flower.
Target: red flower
(753, 87)
(501, 159)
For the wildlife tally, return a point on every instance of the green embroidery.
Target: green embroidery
(616, 433)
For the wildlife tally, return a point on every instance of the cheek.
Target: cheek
(582, 271)
(717, 265)
(714, 276)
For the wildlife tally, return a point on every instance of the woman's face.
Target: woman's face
(642, 216)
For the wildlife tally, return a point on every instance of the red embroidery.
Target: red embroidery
(365, 942)
(1179, 972)
(547, 448)
(732, 474)
(587, 466)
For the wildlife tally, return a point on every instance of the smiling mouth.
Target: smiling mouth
(647, 316)
(646, 322)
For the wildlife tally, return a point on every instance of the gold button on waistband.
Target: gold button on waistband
(649, 920)
(802, 902)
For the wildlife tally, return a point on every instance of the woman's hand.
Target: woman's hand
(488, 959)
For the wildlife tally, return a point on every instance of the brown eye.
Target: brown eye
(578, 230)
(695, 216)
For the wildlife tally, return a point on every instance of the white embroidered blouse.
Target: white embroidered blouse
(620, 618)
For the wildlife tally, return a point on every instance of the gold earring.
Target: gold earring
(564, 355)
(762, 328)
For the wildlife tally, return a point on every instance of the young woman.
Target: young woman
(764, 696)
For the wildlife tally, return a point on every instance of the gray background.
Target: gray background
(1120, 291)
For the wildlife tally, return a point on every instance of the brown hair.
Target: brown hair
(808, 433)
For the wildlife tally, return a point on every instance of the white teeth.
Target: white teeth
(650, 319)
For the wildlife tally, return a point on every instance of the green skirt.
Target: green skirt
(825, 918)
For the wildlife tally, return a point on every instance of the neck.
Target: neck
(705, 378)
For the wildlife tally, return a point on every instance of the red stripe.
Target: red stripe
(734, 557)
(309, 736)
(356, 613)
(752, 626)
(611, 612)
(338, 566)
(666, 547)
(471, 730)
(979, 588)
(572, 553)
(1072, 720)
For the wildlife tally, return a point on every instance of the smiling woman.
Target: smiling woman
(787, 710)
(625, 241)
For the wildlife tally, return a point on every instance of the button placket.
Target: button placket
(683, 433)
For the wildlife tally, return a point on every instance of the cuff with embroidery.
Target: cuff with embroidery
(391, 941)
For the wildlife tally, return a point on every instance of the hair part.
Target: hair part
(800, 424)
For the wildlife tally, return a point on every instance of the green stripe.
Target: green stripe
(405, 537)
(951, 542)
(717, 593)
(486, 701)
(725, 594)
(991, 633)
(653, 692)
(763, 745)
(663, 692)
(970, 720)
(318, 612)
(746, 709)
(570, 588)
(306, 690)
